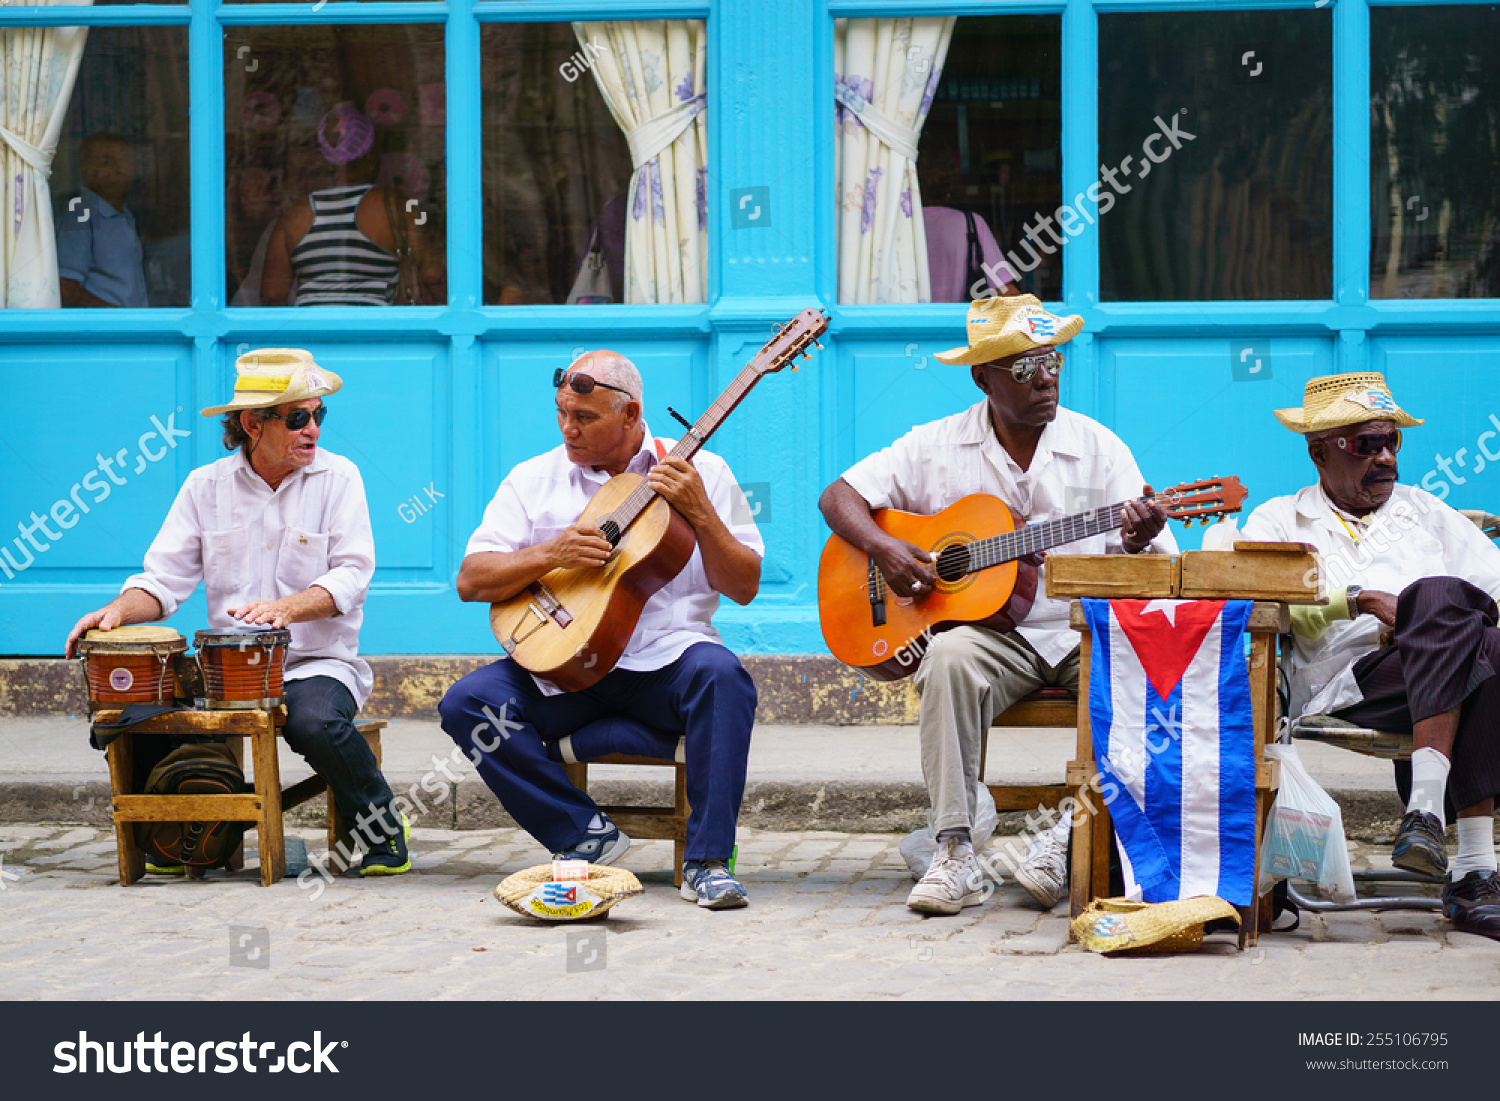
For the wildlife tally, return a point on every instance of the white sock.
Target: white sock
(1476, 846)
(596, 824)
(1429, 780)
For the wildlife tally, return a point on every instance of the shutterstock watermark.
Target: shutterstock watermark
(65, 511)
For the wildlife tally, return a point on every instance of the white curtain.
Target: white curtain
(40, 66)
(885, 74)
(651, 73)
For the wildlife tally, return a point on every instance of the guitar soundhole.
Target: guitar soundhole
(953, 562)
(611, 531)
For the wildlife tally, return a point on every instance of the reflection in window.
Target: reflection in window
(990, 164)
(1242, 209)
(1435, 152)
(120, 174)
(334, 165)
(574, 210)
(556, 170)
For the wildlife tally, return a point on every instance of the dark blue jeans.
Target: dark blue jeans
(504, 723)
(320, 726)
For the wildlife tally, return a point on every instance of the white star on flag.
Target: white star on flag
(1167, 608)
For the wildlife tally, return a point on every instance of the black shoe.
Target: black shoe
(1420, 846)
(391, 856)
(1473, 904)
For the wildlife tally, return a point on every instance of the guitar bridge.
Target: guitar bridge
(876, 588)
(544, 606)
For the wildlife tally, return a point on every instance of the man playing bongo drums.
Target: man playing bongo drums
(279, 533)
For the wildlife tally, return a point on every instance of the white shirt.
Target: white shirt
(1079, 465)
(1412, 536)
(245, 542)
(544, 495)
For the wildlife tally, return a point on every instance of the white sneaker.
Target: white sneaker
(953, 880)
(1044, 872)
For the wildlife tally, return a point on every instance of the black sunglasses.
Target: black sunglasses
(1369, 444)
(583, 384)
(298, 419)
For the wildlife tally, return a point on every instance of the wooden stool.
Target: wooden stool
(264, 808)
(660, 823)
(1046, 707)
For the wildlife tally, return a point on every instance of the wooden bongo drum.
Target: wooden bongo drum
(130, 665)
(242, 669)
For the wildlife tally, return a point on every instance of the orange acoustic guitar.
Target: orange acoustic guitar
(571, 625)
(976, 544)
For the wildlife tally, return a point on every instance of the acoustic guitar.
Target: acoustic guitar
(570, 626)
(976, 544)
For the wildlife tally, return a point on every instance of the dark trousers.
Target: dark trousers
(505, 724)
(320, 726)
(1446, 654)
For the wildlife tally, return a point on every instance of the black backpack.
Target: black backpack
(207, 769)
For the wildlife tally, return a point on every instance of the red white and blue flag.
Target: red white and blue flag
(1174, 741)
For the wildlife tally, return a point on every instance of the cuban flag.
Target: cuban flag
(1174, 742)
(556, 894)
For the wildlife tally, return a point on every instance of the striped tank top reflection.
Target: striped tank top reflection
(335, 263)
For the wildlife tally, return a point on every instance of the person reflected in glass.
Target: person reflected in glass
(347, 245)
(98, 250)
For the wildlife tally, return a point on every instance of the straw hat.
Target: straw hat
(535, 893)
(1337, 401)
(269, 377)
(1121, 925)
(1000, 327)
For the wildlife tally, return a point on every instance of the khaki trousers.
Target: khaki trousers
(970, 675)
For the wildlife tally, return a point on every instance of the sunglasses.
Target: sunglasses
(1024, 370)
(583, 384)
(1369, 444)
(299, 419)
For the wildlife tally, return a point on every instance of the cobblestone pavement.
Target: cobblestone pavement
(827, 920)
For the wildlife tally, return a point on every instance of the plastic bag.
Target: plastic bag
(1304, 836)
(918, 846)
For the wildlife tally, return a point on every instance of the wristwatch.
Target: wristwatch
(1351, 600)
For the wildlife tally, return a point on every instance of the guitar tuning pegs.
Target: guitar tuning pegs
(818, 346)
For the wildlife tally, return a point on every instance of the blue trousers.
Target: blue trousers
(501, 720)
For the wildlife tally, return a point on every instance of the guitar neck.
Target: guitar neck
(1039, 537)
(692, 442)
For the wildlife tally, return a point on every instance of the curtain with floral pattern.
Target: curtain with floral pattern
(885, 74)
(651, 74)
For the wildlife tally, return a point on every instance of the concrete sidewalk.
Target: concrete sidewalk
(844, 778)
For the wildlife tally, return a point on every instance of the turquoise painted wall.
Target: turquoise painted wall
(448, 398)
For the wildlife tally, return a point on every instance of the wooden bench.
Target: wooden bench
(263, 808)
(1046, 707)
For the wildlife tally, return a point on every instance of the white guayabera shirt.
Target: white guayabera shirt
(246, 542)
(1412, 536)
(1079, 465)
(544, 495)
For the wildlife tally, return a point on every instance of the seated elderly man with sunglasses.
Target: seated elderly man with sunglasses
(675, 679)
(279, 534)
(1425, 570)
(1045, 462)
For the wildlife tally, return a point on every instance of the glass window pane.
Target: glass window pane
(335, 179)
(1435, 152)
(1216, 150)
(991, 149)
(120, 171)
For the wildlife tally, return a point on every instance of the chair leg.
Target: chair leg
(268, 788)
(681, 810)
(236, 744)
(131, 859)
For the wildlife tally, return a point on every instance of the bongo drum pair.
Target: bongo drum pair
(240, 670)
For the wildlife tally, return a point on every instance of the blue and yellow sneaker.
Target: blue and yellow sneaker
(390, 857)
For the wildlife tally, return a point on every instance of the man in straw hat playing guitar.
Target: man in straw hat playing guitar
(1425, 570)
(1020, 446)
(279, 534)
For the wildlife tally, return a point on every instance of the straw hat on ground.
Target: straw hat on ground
(537, 894)
(1000, 327)
(1338, 401)
(1112, 925)
(269, 377)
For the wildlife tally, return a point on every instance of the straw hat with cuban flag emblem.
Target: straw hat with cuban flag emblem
(1337, 401)
(269, 377)
(1000, 327)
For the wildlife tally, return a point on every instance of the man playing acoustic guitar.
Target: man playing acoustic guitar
(1045, 463)
(675, 677)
